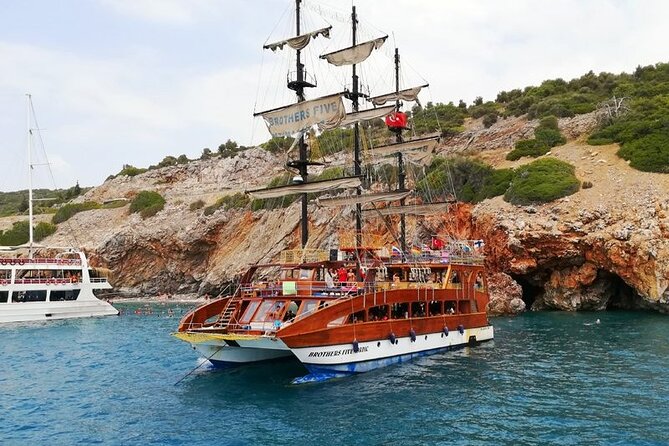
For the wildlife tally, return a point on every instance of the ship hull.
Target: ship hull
(341, 359)
(45, 311)
(227, 353)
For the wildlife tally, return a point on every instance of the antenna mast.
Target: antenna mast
(30, 177)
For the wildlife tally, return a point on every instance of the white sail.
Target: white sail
(299, 42)
(354, 54)
(365, 115)
(425, 144)
(304, 188)
(327, 111)
(410, 94)
(413, 209)
(364, 198)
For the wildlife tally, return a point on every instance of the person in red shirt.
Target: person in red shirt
(342, 274)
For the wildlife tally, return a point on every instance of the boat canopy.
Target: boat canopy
(426, 144)
(354, 54)
(409, 94)
(299, 42)
(365, 115)
(304, 188)
(364, 198)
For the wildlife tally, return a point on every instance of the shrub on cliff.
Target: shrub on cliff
(542, 181)
(67, 211)
(234, 201)
(130, 171)
(469, 180)
(147, 203)
(18, 234)
(43, 230)
(547, 135)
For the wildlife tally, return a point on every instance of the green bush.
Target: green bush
(527, 147)
(489, 120)
(131, 171)
(15, 236)
(67, 211)
(43, 230)
(194, 206)
(649, 153)
(542, 181)
(147, 203)
(470, 180)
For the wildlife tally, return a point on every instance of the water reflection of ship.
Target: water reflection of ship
(392, 303)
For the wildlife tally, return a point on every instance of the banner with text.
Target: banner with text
(298, 117)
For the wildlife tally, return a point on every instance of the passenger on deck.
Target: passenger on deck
(341, 275)
(396, 280)
(350, 277)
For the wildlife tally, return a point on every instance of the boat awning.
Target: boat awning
(427, 144)
(365, 115)
(306, 188)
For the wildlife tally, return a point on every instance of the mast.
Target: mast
(356, 137)
(30, 179)
(302, 163)
(400, 160)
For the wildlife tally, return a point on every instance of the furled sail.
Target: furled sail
(354, 54)
(327, 111)
(426, 144)
(364, 198)
(410, 94)
(365, 115)
(304, 188)
(299, 42)
(413, 209)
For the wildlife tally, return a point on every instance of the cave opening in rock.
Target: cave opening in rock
(623, 296)
(531, 290)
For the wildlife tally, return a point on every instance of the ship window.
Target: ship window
(274, 312)
(30, 296)
(305, 274)
(479, 284)
(399, 311)
(292, 310)
(337, 322)
(356, 318)
(64, 295)
(250, 309)
(418, 309)
(262, 312)
(308, 307)
(435, 307)
(4, 295)
(379, 313)
(450, 307)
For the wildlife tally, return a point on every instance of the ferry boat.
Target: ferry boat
(363, 304)
(59, 286)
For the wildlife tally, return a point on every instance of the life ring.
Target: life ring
(12, 261)
(20, 261)
(3, 261)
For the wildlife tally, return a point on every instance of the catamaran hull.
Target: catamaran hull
(342, 360)
(235, 353)
(45, 311)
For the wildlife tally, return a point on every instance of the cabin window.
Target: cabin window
(435, 308)
(465, 307)
(275, 313)
(64, 295)
(450, 307)
(379, 313)
(337, 322)
(248, 312)
(418, 309)
(4, 296)
(455, 280)
(263, 311)
(305, 274)
(400, 311)
(479, 284)
(30, 296)
(356, 318)
(292, 310)
(308, 307)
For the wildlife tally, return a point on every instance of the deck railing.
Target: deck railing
(38, 261)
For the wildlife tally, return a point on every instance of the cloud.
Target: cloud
(175, 12)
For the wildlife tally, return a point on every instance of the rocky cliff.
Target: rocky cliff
(603, 247)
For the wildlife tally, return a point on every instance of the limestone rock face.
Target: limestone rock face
(605, 246)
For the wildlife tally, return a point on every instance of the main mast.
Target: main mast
(357, 170)
(400, 160)
(30, 177)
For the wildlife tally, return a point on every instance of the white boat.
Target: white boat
(57, 286)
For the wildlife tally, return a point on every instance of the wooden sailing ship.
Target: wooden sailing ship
(360, 306)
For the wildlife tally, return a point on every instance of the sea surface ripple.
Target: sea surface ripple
(548, 378)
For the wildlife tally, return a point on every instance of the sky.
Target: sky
(117, 82)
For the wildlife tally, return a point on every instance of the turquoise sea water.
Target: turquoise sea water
(548, 378)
